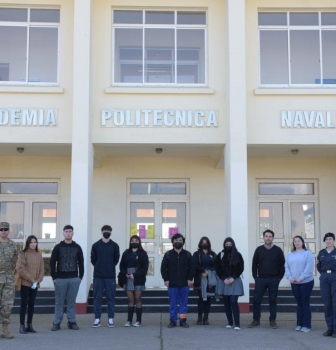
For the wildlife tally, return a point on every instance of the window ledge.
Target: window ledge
(160, 90)
(295, 91)
(32, 89)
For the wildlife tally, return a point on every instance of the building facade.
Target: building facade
(210, 118)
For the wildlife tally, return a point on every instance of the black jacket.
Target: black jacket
(224, 269)
(141, 270)
(177, 268)
(199, 268)
(268, 262)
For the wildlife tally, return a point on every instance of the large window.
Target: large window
(159, 47)
(297, 48)
(29, 45)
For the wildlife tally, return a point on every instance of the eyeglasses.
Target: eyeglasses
(3, 229)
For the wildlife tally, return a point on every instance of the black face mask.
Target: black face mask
(106, 234)
(134, 245)
(228, 248)
(178, 245)
(205, 246)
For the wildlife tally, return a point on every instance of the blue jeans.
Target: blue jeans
(178, 301)
(302, 293)
(261, 285)
(232, 308)
(99, 284)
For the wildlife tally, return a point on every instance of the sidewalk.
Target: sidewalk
(154, 334)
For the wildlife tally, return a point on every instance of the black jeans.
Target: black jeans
(261, 285)
(232, 308)
(203, 305)
(28, 297)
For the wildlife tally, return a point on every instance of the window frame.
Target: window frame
(29, 25)
(319, 27)
(143, 26)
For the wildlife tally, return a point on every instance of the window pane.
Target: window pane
(173, 219)
(44, 220)
(329, 54)
(142, 220)
(191, 56)
(13, 44)
(13, 212)
(158, 17)
(13, 15)
(47, 16)
(28, 187)
(191, 17)
(272, 19)
(158, 188)
(151, 266)
(273, 54)
(286, 189)
(128, 56)
(43, 52)
(130, 17)
(328, 18)
(303, 220)
(271, 218)
(305, 56)
(160, 56)
(303, 19)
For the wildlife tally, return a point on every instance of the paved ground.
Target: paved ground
(154, 335)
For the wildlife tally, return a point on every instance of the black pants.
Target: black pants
(203, 305)
(28, 297)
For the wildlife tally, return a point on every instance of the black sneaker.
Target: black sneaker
(56, 327)
(172, 324)
(73, 325)
(328, 333)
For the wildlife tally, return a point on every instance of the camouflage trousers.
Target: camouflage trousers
(7, 295)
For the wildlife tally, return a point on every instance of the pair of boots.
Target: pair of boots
(5, 334)
(204, 321)
(138, 315)
(25, 330)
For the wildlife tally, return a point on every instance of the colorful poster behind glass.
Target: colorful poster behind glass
(172, 231)
(142, 231)
(150, 231)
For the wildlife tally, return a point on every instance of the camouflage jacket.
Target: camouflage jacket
(8, 258)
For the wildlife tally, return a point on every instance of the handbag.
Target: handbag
(17, 278)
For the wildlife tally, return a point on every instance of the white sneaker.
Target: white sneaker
(128, 324)
(237, 328)
(228, 326)
(110, 323)
(305, 329)
(298, 328)
(137, 324)
(96, 323)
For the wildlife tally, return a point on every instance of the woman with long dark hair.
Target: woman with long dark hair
(204, 260)
(31, 269)
(299, 267)
(133, 271)
(229, 267)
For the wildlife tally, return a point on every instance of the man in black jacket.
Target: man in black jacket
(268, 268)
(178, 270)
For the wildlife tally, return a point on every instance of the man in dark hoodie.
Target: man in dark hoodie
(67, 270)
(104, 257)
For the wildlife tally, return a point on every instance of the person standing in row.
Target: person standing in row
(105, 256)
(204, 261)
(326, 266)
(299, 271)
(177, 270)
(229, 267)
(268, 268)
(133, 271)
(67, 271)
(8, 258)
(31, 269)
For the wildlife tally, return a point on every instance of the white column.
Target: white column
(82, 152)
(235, 149)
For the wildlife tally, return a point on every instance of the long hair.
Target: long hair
(303, 243)
(28, 241)
(139, 239)
(204, 239)
(234, 252)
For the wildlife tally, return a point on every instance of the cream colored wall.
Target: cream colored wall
(264, 110)
(321, 169)
(24, 98)
(102, 43)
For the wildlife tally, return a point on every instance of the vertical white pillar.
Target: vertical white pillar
(82, 152)
(235, 149)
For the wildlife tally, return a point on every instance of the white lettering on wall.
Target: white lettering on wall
(27, 117)
(158, 118)
(308, 119)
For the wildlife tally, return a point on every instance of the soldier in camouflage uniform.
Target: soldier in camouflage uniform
(8, 257)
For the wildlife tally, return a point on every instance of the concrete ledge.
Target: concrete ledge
(160, 90)
(32, 89)
(295, 91)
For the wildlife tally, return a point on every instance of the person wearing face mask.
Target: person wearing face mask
(204, 260)
(133, 270)
(229, 267)
(105, 256)
(177, 270)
